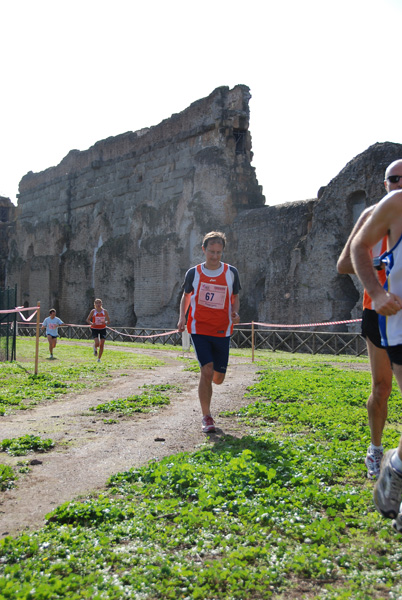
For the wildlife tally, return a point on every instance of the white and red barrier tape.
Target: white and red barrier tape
(111, 329)
(145, 336)
(279, 326)
(21, 309)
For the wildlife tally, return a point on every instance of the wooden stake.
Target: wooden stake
(37, 338)
(252, 341)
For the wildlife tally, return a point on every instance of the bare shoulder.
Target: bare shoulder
(390, 215)
(388, 210)
(392, 201)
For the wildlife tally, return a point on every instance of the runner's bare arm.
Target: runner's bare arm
(184, 304)
(374, 229)
(89, 317)
(235, 309)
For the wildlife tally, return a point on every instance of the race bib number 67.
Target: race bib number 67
(213, 296)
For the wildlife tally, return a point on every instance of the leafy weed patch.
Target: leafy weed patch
(24, 444)
(151, 398)
(138, 403)
(7, 477)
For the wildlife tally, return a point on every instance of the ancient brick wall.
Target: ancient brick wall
(124, 219)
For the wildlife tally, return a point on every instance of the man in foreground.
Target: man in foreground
(211, 294)
(380, 366)
(385, 220)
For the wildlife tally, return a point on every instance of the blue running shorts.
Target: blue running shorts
(211, 349)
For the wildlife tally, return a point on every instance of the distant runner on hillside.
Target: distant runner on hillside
(211, 293)
(98, 318)
(51, 323)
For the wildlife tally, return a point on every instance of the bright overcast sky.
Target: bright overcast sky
(325, 78)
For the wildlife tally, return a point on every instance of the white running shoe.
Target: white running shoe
(373, 461)
(388, 489)
(208, 425)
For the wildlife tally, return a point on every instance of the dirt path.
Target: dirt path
(88, 451)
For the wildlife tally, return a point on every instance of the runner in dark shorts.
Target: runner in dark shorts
(98, 319)
(211, 300)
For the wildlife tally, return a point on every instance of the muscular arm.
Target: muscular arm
(379, 224)
(107, 319)
(344, 264)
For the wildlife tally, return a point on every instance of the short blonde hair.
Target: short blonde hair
(214, 236)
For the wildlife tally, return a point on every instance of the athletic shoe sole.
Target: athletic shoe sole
(388, 489)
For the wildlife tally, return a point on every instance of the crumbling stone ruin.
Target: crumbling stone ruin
(124, 221)
(287, 254)
(7, 215)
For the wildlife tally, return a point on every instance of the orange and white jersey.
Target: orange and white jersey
(211, 300)
(377, 250)
(98, 320)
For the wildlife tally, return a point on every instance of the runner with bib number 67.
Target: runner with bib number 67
(211, 295)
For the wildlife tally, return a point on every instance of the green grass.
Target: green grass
(283, 512)
(75, 369)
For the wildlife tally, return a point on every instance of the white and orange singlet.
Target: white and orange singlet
(211, 302)
(98, 320)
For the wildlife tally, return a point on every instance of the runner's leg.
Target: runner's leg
(381, 387)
